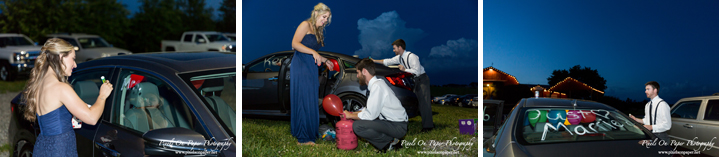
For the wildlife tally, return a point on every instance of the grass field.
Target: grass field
(261, 137)
(14, 86)
(440, 91)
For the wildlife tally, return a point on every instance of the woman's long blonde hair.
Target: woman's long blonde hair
(320, 9)
(50, 56)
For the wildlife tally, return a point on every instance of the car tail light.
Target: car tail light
(403, 79)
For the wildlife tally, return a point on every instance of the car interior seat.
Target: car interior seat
(224, 111)
(143, 116)
(87, 91)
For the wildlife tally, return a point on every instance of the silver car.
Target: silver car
(536, 127)
(696, 119)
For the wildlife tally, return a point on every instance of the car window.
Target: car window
(688, 109)
(218, 90)
(87, 84)
(712, 110)
(216, 37)
(198, 37)
(268, 64)
(71, 41)
(14, 41)
(551, 125)
(187, 38)
(348, 64)
(145, 102)
(92, 42)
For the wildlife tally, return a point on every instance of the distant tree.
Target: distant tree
(37, 18)
(156, 20)
(585, 75)
(228, 14)
(195, 16)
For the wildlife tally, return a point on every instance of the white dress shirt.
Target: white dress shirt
(663, 117)
(411, 62)
(382, 101)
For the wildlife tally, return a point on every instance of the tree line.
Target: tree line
(156, 20)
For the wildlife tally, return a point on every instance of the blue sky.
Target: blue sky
(444, 34)
(134, 6)
(628, 42)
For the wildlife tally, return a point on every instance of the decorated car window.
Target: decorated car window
(268, 64)
(572, 125)
(145, 103)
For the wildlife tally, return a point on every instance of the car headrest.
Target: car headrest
(213, 89)
(87, 91)
(141, 91)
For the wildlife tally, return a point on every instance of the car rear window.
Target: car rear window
(551, 125)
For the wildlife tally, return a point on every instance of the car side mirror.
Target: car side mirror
(201, 40)
(169, 141)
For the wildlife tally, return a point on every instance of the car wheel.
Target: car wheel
(25, 151)
(6, 72)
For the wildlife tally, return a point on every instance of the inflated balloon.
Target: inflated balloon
(573, 117)
(588, 116)
(332, 104)
(556, 117)
(537, 116)
(336, 66)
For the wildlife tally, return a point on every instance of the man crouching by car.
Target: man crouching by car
(384, 122)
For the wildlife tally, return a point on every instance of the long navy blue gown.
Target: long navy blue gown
(56, 135)
(304, 90)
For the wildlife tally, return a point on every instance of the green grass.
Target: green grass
(5, 148)
(14, 86)
(262, 137)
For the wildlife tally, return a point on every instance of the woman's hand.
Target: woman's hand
(329, 65)
(105, 90)
(318, 59)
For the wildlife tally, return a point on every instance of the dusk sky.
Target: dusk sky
(444, 34)
(134, 6)
(628, 42)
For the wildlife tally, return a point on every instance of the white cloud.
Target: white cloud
(460, 53)
(376, 36)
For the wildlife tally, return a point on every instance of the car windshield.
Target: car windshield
(92, 42)
(217, 87)
(216, 37)
(15, 41)
(551, 125)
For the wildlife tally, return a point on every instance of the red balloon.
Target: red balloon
(336, 66)
(332, 104)
(588, 116)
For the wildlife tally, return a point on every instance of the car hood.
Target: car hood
(113, 50)
(595, 148)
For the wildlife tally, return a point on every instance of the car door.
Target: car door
(199, 46)
(706, 129)
(684, 118)
(260, 83)
(86, 84)
(143, 102)
(187, 42)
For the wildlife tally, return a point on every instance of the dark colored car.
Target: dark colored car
(266, 89)
(536, 127)
(178, 97)
(450, 100)
(465, 100)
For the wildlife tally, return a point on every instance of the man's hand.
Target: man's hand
(401, 67)
(649, 127)
(351, 115)
(635, 118)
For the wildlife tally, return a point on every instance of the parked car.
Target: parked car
(90, 46)
(696, 119)
(266, 89)
(535, 127)
(465, 100)
(439, 98)
(195, 101)
(474, 102)
(449, 100)
(230, 36)
(200, 41)
(17, 55)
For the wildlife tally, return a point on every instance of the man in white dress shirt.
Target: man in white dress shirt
(384, 121)
(657, 117)
(409, 62)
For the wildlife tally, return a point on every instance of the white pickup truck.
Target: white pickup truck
(200, 41)
(17, 55)
(90, 46)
